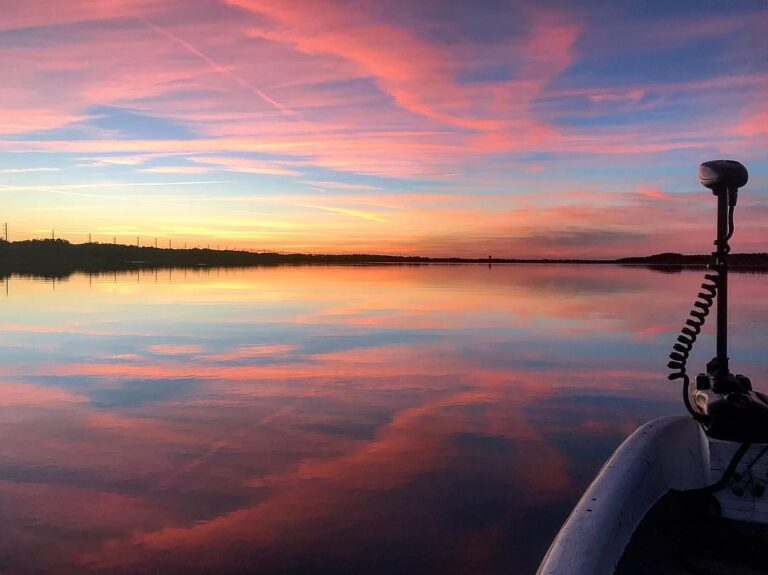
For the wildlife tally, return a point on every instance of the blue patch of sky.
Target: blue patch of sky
(661, 9)
(452, 21)
(582, 112)
(31, 161)
(488, 73)
(135, 124)
(122, 122)
(653, 64)
(672, 170)
(71, 132)
(536, 157)
(609, 172)
(321, 174)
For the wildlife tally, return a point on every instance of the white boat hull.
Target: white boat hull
(666, 453)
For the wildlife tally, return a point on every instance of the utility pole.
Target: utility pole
(114, 240)
(155, 243)
(169, 244)
(5, 226)
(89, 238)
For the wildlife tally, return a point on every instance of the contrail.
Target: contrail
(218, 67)
(67, 190)
(115, 198)
(347, 212)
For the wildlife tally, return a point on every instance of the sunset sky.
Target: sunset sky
(435, 127)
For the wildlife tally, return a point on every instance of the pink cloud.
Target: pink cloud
(652, 192)
(175, 349)
(422, 77)
(411, 71)
(53, 13)
(755, 125)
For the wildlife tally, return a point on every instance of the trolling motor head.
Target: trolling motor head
(725, 403)
(723, 175)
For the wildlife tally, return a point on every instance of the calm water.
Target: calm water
(307, 420)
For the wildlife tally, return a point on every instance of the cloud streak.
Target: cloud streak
(348, 212)
(218, 68)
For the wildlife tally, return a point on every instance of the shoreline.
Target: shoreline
(59, 258)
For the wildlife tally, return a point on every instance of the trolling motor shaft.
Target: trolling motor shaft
(724, 178)
(721, 261)
(724, 403)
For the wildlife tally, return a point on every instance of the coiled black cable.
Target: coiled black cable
(701, 308)
(689, 333)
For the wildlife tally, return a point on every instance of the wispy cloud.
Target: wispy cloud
(111, 160)
(26, 170)
(348, 212)
(246, 165)
(339, 185)
(177, 170)
(73, 190)
(108, 185)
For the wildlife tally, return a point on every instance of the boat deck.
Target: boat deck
(745, 498)
(708, 534)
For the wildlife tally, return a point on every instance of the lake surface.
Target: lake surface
(327, 420)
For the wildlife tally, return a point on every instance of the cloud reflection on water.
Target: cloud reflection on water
(321, 420)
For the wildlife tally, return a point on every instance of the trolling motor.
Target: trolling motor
(724, 403)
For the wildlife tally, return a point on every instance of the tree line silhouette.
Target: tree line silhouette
(59, 258)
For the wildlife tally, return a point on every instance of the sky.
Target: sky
(438, 127)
